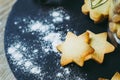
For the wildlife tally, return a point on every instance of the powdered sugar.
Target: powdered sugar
(50, 37)
(35, 70)
(32, 55)
(67, 71)
(27, 64)
(35, 51)
(15, 23)
(17, 56)
(38, 26)
(59, 15)
(20, 56)
(11, 50)
(54, 38)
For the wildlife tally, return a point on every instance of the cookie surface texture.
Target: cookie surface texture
(74, 49)
(116, 76)
(98, 10)
(101, 46)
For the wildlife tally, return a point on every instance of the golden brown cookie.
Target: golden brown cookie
(116, 76)
(114, 17)
(115, 28)
(84, 36)
(101, 46)
(75, 49)
(98, 10)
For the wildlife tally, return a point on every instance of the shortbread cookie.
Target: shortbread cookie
(101, 46)
(98, 10)
(75, 49)
(114, 17)
(115, 28)
(116, 76)
(84, 36)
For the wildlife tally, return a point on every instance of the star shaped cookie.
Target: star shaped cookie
(84, 36)
(75, 49)
(98, 10)
(101, 46)
(116, 76)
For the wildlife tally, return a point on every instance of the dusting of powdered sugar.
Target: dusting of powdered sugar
(54, 38)
(47, 37)
(19, 53)
(38, 26)
(58, 15)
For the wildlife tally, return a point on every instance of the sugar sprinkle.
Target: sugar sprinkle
(59, 15)
(48, 36)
